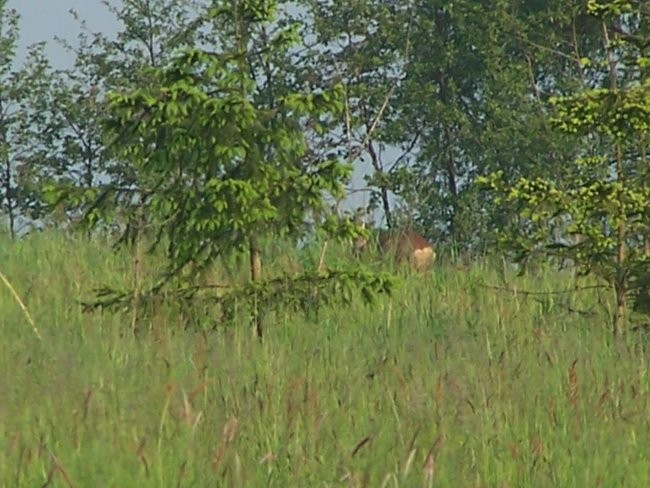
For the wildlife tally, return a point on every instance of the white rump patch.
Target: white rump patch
(423, 257)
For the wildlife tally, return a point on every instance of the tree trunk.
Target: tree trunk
(447, 98)
(242, 27)
(619, 313)
(620, 283)
(256, 275)
(137, 267)
(376, 164)
(455, 226)
(386, 204)
(9, 197)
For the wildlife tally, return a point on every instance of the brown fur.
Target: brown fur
(403, 246)
(408, 246)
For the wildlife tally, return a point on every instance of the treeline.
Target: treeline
(210, 124)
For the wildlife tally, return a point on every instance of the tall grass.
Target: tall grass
(449, 383)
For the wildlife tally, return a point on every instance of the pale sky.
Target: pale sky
(41, 20)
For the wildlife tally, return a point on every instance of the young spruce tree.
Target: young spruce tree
(221, 167)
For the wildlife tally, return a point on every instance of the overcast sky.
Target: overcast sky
(42, 20)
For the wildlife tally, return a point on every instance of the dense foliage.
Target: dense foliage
(604, 201)
(214, 126)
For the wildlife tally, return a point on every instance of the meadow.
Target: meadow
(461, 379)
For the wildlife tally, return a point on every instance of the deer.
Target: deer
(403, 246)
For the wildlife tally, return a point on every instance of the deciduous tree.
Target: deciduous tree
(604, 201)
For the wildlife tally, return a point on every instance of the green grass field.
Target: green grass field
(449, 383)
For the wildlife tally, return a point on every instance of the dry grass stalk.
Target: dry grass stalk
(142, 456)
(230, 430)
(538, 450)
(58, 467)
(603, 400)
(387, 479)
(267, 458)
(345, 477)
(229, 433)
(573, 384)
(188, 414)
(13, 442)
(86, 405)
(321, 259)
(409, 462)
(359, 446)
(429, 470)
(389, 313)
(21, 304)
(181, 473)
(429, 466)
(439, 393)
